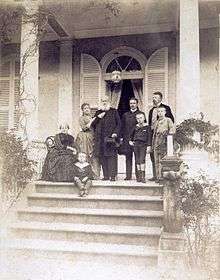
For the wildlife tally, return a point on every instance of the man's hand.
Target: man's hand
(101, 115)
(114, 135)
(131, 143)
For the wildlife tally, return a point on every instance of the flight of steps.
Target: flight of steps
(118, 223)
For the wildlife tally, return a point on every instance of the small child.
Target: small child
(83, 174)
(141, 141)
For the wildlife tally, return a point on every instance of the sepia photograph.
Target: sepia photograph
(109, 139)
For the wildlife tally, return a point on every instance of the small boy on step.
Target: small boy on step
(83, 174)
(141, 142)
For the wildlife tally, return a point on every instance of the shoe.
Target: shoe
(112, 179)
(143, 180)
(105, 179)
(152, 179)
(138, 178)
(127, 179)
(158, 181)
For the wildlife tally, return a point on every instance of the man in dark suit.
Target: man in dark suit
(128, 124)
(106, 125)
(152, 118)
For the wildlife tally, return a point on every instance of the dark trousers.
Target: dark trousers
(140, 154)
(129, 161)
(109, 166)
(153, 164)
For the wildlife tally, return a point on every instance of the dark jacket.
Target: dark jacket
(103, 129)
(141, 135)
(168, 113)
(128, 124)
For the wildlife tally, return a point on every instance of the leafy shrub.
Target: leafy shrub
(198, 198)
(16, 169)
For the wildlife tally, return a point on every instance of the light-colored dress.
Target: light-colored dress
(163, 127)
(85, 138)
(85, 141)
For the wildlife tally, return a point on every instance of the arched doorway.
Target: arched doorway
(131, 64)
(147, 76)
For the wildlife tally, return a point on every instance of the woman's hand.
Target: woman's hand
(131, 143)
(149, 149)
(74, 150)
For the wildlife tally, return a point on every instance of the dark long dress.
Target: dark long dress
(59, 162)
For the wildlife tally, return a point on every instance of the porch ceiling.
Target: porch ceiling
(95, 18)
(98, 18)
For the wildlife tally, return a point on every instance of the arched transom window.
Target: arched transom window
(123, 63)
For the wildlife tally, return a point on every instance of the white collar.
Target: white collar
(81, 165)
(144, 124)
(133, 110)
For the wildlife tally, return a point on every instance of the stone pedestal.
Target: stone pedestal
(172, 251)
(172, 217)
(172, 241)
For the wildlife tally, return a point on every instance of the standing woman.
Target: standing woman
(85, 138)
(163, 127)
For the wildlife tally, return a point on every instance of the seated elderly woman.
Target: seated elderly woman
(60, 158)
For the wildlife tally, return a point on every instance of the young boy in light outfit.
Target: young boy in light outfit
(83, 174)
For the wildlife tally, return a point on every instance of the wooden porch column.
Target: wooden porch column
(65, 103)
(29, 70)
(189, 100)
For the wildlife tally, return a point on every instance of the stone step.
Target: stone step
(134, 235)
(96, 201)
(92, 216)
(102, 187)
(83, 250)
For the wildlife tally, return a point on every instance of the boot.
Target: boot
(138, 176)
(143, 180)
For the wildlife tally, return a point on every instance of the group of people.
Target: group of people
(103, 137)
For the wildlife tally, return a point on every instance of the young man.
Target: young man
(152, 119)
(106, 125)
(128, 124)
(141, 141)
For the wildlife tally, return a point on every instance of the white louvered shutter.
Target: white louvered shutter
(4, 95)
(9, 94)
(16, 94)
(90, 86)
(157, 75)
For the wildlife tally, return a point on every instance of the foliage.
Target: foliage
(17, 169)
(198, 199)
(185, 132)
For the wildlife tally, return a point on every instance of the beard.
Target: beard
(105, 108)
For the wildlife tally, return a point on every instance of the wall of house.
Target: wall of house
(209, 54)
(146, 43)
(98, 47)
(48, 88)
(48, 84)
